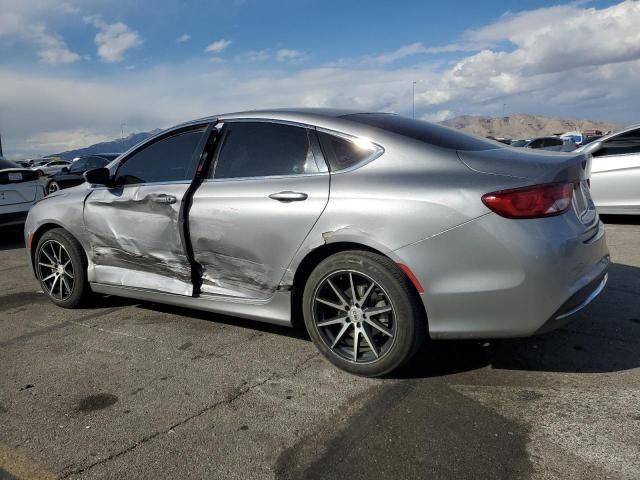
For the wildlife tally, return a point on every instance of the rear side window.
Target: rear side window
(167, 160)
(342, 153)
(263, 149)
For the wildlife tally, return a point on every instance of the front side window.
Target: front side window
(553, 142)
(342, 153)
(78, 166)
(262, 149)
(167, 160)
(95, 162)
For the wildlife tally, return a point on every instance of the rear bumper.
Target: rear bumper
(577, 302)
(499, 278)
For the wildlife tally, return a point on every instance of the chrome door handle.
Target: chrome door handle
(289, 196)
(164, 199)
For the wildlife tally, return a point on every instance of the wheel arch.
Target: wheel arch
(37, 235)
(312, 259)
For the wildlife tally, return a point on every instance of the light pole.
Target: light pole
(413, 100)
(122, 125)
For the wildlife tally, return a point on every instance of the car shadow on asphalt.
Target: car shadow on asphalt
(603, 338)
(621, 219)
(11, 238)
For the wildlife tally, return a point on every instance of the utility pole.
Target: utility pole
(413, 100)
(1, 155)
(122, 125)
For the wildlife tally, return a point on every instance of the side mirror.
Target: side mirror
(592, 147)
(64, 169)
(98, 176)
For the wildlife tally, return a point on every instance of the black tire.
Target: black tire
(50, 185)
(79, 291)
(406, 321)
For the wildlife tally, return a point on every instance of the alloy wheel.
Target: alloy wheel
(354, 316)
(55, 270)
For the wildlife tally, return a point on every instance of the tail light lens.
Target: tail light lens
(531, 202)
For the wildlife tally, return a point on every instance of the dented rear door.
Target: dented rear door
(136, 227)
(267, 187)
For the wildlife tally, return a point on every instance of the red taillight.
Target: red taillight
(531, 202)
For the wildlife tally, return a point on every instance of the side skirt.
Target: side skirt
(276, 310)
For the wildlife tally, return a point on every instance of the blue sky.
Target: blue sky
(72, 72)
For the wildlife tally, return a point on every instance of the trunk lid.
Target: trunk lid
(18, 185)
(535, 167)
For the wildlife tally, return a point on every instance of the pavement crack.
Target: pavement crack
(228, 400)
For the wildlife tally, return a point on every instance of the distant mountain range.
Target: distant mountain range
(514, 126)
(524, 126)
(115, 146)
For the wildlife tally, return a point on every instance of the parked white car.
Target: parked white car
(20, 188)
(51, 167)
(615, 171)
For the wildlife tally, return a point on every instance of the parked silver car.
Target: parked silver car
(615, 171)
(375, 229)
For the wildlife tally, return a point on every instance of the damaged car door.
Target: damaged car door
(135, 225)
(267, 186)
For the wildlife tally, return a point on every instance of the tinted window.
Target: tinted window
(167, 160)
(78, 165)
(623, 144)
(7, 164)
(518, 143)
(260, 149)
(342, 153)
(552, 142)
(424, 131)
(95, 162)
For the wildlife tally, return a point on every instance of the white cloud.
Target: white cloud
(24, 23)
(581, 62)
(113, 39)
(218, 46)
(183, 38)
(288, 55)
(255, 56)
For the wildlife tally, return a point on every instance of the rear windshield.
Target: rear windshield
(7, 164)
(424, 131)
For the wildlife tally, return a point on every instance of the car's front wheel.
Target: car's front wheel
(60, 268)
(52, 187)
(362, 313)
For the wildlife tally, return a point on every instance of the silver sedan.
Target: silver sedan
(615, 171)
(375, 230)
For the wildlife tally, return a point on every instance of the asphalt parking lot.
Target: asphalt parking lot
(130, 390)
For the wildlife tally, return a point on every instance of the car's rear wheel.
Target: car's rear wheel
(61, 269)
(362, 313)
(53, 187)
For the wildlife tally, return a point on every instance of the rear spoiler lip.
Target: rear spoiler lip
(531, 167)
